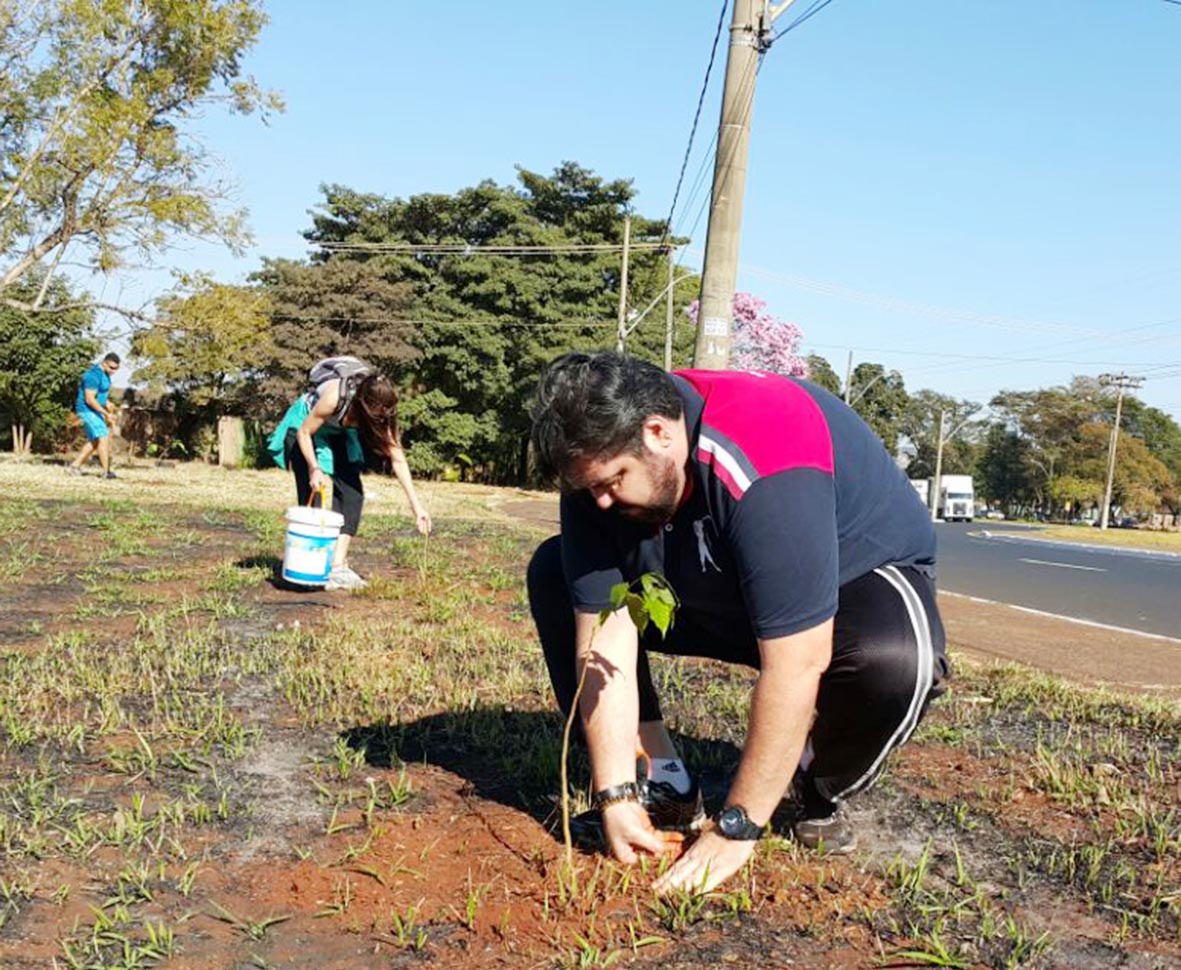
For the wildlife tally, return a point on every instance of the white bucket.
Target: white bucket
(311, 541)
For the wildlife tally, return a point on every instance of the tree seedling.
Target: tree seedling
(649, 599)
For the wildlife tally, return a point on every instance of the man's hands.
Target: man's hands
(628, 829)
(711, 861)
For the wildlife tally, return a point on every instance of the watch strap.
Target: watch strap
(627, 792)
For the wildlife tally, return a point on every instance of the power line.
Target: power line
(394, 321)
(497, 249)
(696, 116)
(816, 7)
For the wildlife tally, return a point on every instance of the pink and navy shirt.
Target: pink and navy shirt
(792, 497)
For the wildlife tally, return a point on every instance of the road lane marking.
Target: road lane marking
(1059, 616)
(1064, 565)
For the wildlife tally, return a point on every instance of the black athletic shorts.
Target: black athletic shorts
(348, 494)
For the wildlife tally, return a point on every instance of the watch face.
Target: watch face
(732, 821)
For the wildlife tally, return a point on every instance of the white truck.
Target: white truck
(957, 498)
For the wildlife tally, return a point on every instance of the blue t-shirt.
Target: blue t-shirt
(791, 496)
(95, 379)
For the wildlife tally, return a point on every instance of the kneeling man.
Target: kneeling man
(795, 545)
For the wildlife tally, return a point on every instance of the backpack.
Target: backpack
(348, 370)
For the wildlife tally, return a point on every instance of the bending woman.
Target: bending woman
(327, 437)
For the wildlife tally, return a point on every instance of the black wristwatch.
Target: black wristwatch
(735, 824)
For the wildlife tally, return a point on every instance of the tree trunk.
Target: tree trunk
(22, 440)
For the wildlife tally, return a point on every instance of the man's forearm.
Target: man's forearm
(609, 706)
(781, 711)
(780, 716)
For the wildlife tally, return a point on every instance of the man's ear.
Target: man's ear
(657, 432)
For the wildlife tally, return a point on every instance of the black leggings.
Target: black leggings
(888, 663)
(348, 494)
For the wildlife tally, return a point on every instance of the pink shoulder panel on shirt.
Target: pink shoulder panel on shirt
(771, 422)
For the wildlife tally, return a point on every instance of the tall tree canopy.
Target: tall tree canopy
(880, 397)
(471, 326)
(207, 344)
(820, 372)
(42, 357)
(920, 423)
(97, 148)
(1067, 430)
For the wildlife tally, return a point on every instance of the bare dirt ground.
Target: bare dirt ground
(201, 768)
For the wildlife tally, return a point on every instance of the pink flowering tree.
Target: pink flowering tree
(761, 340)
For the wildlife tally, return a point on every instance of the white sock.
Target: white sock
(671, 771)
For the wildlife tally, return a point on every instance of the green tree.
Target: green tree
(336, 306)
(820, 372)
(206, 345)
(1162, 437)
(97, 147)
(880, 397)
(42, 358)
(483, 322)
(1051, 420)
(1002, 468)
(1141, 479)
(920, 423)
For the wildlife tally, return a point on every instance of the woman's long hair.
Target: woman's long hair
(375, 412)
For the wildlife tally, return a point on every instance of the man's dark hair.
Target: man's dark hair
(113, 358)
(593, 406)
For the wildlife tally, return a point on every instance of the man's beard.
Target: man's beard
(662, 475)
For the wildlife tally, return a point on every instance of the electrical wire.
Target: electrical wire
(812, 11)
(496, 249)
(696, 118)
(395, 321)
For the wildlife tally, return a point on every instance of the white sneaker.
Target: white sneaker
(342, 577)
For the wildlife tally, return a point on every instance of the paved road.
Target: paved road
(1138, 591)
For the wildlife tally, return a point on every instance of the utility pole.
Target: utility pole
(668, 310)
(750, 34)
(943, 439)
(621, 331)
(848, 376)
(1123, 382)
(938, 469)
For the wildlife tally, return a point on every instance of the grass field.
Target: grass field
(1129, 538)
(201, 769)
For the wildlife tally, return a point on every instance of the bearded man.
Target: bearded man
(795, 546)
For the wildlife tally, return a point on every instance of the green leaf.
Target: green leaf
(619, 593)
(661, 613)
(639, 614)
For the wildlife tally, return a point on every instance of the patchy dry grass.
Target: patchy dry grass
(198, 768)
(1127, 538)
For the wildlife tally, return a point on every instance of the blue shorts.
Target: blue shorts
(94, 426)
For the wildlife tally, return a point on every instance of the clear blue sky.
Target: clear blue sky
(993, 179)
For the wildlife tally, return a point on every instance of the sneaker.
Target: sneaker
(354, 577)
(110, 475)
(671, 811)
(344, 578)
(73, 470)
(833, 835)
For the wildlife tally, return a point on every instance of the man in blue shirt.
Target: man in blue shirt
(795, 546)
(94, 413)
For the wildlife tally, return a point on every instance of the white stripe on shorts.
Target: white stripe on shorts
(924, 676)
